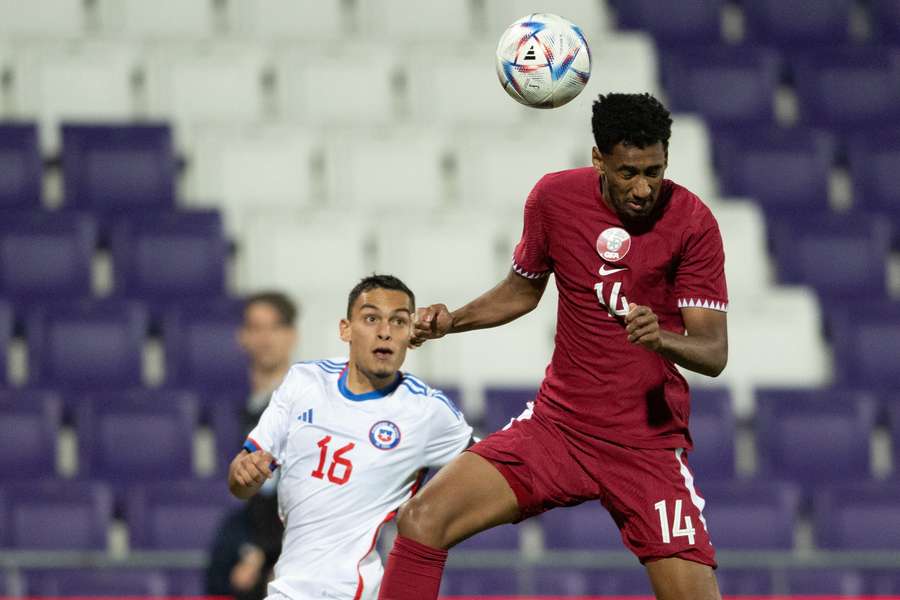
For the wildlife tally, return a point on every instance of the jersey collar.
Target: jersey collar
(373, 395)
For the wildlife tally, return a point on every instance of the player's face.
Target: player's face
(267, 340)
(378, 331)
(632, 178)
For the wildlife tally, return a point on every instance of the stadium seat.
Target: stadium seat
(745, 80)
(565, 581)
(692, 22)
(21, 167)
(751, 515)
(865, 344)
(90, 83)
(873, 156)
(814, 436)
(885, 19)
(504, 404)
(413, 21)
(118, 169)
(743, 229)
(480, 582)
(57, 515)
(848, 88)
(847, 583)
(785, 170)
(796, 24)
(690, 158)
(882, 583)
(592, 17)
(46, 256)
(187, 582)
(712, 430)
(168, 258)
(202, 349)
(6, 333)
(177, 515)
(289, 20)
(121, 582)
(587, 526)
(86, 346)
(166, 19)
(840, 256)
(115, 431)
(29, 425)
(861, 517)
(892, 406)
(744, 582)
(42, 18)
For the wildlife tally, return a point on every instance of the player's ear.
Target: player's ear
(597, 161)
(345, 330)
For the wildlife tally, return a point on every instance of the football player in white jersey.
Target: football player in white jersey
(352, 440)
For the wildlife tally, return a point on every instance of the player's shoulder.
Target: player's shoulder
(326, 368)
(685, 204)
(430, 398)
(568, 180)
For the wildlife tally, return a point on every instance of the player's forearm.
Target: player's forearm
(706, 355)
(508, 300)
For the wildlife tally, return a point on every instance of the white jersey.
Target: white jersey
(347, 462)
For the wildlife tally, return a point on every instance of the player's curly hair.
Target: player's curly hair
(636, 119)
(376, 281)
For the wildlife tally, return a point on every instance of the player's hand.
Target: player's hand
(642, 326)
(431, 323)
(253, 468)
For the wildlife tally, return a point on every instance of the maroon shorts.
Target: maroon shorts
(548, 467)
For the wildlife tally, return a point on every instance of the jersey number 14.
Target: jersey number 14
(337, 460)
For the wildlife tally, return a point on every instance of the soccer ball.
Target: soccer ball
(543, 60)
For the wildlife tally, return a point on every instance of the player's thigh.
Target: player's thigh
(467, 496)
(679, 579)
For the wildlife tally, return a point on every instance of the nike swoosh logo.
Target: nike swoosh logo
(604, 271)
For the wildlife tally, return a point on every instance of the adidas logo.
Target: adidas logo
(306, 417)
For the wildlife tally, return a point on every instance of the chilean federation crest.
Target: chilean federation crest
(613, 244)
(384, 435)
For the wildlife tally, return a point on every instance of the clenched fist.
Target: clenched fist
(431, 323)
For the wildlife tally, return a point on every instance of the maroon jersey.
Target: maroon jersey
(598, 383)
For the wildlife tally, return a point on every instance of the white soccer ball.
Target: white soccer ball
(543, 60)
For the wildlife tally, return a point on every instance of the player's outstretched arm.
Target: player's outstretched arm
(248, 472)
(508, 300)
(703, 350)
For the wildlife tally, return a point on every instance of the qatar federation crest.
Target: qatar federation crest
(384, 435)
(613, 244)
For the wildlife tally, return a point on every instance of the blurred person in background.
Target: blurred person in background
(269, 336)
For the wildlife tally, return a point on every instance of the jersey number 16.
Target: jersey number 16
(337, 460)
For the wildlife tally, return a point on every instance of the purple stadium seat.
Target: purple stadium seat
(814, 436)
(110, 582)
(751, 515)
(170, 258)
(29, 425)
(187, 582)
(21, 167)
(587, 526)
(202, 349)
(712, 429)
(873, 157)
(885, 20)
(858, 517)
(735, 582)
(503, 404)
(785, 170)
(118, 168)
(57, 515)
(6, 331)
(115, 431)
(865, 344)
(479, 582)
(841, 256)
(4, 519)
(668, 22)
(843, 582)
(591, 582)
(794, 24)
(848, 88)
(177, 515)
(86, 346)
(46, 256)
(882, 583)
(744, 79)
(225, 420)
(504, 537)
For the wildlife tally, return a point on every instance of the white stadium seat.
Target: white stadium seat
(288, 20)
(159, 19)
(42, 18)
(690, 159)
(417, 21)
(747, 266)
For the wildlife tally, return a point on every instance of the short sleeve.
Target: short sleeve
(530, 258)
(448, 434)
(270, 432)
(700, 277)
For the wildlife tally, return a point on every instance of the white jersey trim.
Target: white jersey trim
(528, 274)
(698, 303)
(689, 484)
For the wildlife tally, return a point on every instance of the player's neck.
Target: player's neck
(359, 382)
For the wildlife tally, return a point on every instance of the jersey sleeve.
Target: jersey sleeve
(700, 277)
(448, 434)
(531, 258)
(270, 433)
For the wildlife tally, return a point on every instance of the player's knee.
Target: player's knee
(419, 520)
